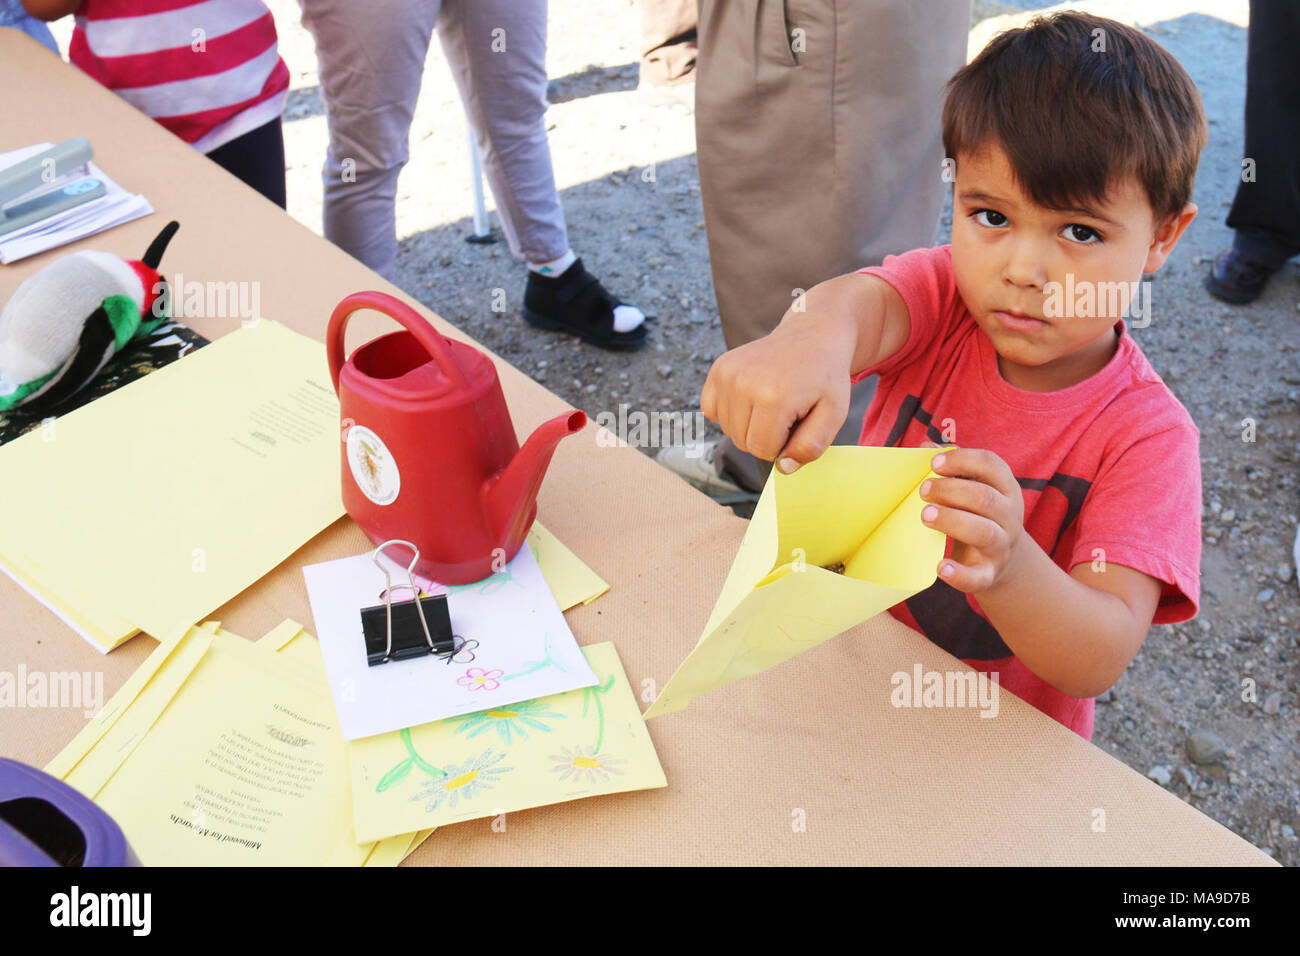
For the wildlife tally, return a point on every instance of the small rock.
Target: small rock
(1264, 596)
(1273, 703)
(1229, 516)
(1288, 831)
(1206, 747)
(665, 371)
(1160, 775)
(1284, 572)
(1130, 723)
(1189, 778)
(1203, 624)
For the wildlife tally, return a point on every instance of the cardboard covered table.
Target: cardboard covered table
(808, 763)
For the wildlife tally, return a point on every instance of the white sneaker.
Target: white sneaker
(694, 463)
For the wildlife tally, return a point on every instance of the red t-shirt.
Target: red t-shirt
(1110, 463)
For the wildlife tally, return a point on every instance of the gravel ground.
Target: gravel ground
(1183, 714)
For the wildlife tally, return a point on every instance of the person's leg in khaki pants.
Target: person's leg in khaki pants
(818, 144)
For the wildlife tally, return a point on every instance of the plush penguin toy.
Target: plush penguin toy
(64, 323)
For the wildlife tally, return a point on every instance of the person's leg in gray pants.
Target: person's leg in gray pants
(371, 59)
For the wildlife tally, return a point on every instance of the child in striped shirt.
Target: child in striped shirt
(208, 70)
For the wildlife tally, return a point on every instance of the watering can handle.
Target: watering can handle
(424, 333)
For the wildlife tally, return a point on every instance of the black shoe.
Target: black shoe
(576, 302)
(1236, 279)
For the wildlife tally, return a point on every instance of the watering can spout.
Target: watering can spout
(511, 497)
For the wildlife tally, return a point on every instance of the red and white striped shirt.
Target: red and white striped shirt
(208, 70)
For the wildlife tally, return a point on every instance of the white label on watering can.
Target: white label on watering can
(373, 467)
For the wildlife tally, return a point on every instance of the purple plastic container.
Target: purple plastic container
(45, 822)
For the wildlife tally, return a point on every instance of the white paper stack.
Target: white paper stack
(113, 208)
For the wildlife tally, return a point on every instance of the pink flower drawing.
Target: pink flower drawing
(476, 678)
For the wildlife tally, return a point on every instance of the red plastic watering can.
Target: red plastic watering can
(430, 454)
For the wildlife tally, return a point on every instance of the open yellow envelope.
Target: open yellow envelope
(858, 508)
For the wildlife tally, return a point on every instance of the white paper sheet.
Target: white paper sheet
(525, 648)
(115, 207)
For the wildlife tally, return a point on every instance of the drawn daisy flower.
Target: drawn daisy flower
(463, 782)
(509, 722)
(476, 678)
(586, 765)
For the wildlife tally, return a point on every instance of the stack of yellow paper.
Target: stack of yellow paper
(150, 507)
(215, 753)
(835, 543)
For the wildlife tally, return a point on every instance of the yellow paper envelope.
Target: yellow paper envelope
(164, 655)
(390, 852)
(564, 747)
(291, 644)
(100, 627)
(416, 841)
(165, 498)
(570, 579)
(857, 508)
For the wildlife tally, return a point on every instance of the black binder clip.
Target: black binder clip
(406, 629)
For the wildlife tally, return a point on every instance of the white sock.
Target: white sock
(556, 266)
(627, 318)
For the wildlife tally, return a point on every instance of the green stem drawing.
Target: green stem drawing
(401, 769)
(591, 694)
(532, 668)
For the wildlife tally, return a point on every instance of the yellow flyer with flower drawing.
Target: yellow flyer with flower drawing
(581, 743)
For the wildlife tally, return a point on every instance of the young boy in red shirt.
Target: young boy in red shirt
(1072, 502)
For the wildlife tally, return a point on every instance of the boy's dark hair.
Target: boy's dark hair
(1077, 102)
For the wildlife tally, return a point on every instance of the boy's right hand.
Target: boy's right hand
(784, 397)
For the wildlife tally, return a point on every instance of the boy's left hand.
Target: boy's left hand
(977, 502)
